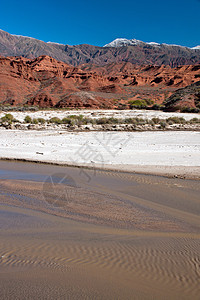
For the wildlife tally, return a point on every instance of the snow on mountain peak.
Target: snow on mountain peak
(121, 42)
(54, 43)
(196, 48)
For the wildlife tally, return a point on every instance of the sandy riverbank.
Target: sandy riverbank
(163, 153)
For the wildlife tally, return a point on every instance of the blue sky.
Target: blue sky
(100, 22)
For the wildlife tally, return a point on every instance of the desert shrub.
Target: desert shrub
(156, 120)
(101, 121)
(86, 121)
(7, 118)
(140, 104)
(176, 120)
(135, 121)
(113, 120)
(70, 121)
(27, 119)
(82, 121)
(189, 110)
(41, 120)
(80, 117)
(163, 124)
(72, 117)
(55, 120)
(140, 121)
(35, 121)
(182, 120)
(108, 121)
(67, 120)
(149, 101)
(128, 120)
(194, 121)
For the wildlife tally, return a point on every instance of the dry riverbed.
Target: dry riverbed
(167, 152)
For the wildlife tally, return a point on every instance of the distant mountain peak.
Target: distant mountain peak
(122, 42)
(196, 48)
(136, 52)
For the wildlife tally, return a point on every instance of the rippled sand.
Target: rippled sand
(78, 234)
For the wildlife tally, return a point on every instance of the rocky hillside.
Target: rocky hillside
(136, 52)
(186, 99)
(46, 82)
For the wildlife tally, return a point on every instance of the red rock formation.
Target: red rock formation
(46, 82)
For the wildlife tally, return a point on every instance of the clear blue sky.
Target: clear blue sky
(100, 22)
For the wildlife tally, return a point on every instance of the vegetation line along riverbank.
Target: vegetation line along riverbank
(81, 122)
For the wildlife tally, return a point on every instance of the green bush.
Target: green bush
(69, 121)
(176, 120)
(140, 104)
(189, 110)
(7, 118)
(86, 121)
(55, 120)
(41, 120)
(27, 119)
(135, 121)
(72, 117)
(35, 121)
(102, 121)
(113, 120)
(149, 101)
(194, 120)
(140, 121)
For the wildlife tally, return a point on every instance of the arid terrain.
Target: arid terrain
(47, 83)
(99, 170)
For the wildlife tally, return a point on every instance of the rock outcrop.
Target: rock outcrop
(185, 99)
(46, 82)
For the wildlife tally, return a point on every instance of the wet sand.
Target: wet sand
(69, 233)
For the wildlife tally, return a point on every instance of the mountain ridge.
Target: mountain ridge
(140, 53)
(121, 42)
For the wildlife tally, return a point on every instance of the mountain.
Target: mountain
(46, 82)
(122, 42)
(120, 50)
(185, 98)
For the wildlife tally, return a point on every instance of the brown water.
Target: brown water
(69, 233)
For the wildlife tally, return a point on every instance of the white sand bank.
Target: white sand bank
(167, 153)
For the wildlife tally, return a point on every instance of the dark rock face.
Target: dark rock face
(187, 99)
(42, 100)
(11, 45)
